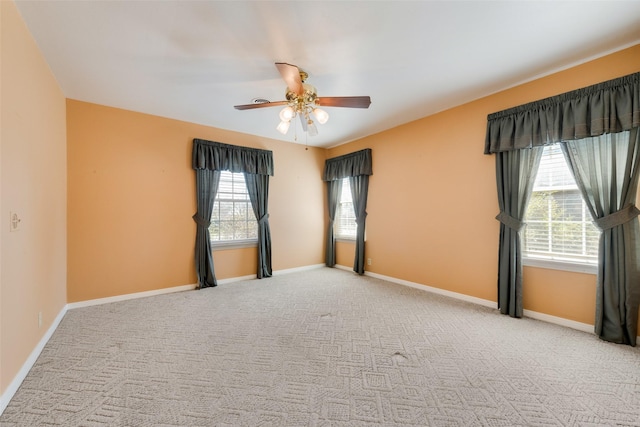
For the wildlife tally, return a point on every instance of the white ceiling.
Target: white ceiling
(195, 60)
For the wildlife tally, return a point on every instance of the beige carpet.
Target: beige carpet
(322, 348)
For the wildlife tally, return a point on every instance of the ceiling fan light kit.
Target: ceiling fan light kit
(287, 114)
(321, 115)
(302, 100)
(304, 111)
(283, 127)
(312, 130)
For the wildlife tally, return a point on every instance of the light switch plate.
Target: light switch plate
(14, 221)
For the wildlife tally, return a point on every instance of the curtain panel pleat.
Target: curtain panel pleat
(608, 107)
(359, 189)
(357, 167)
(207, 182)
(515, 175)
(208, 159)
(218, 156)
(258, 188)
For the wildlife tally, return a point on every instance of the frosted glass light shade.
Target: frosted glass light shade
(283, 127)
(312, 130)
(321, 115)
(287, 114)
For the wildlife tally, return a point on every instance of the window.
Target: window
(233, 219)
(559, 226)
(345, 224)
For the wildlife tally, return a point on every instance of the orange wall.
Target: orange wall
(132, 196)
(346, 252)
(33, 185)
(441, 230)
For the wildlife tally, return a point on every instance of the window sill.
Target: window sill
(346, 239)
(233, 244)
(553, 264)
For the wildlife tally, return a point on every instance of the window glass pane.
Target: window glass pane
(225, 209)
(232, 217)
(345, 223)
(558, 224)
(570, 204)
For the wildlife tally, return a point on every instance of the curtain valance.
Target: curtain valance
(218, 156)
(352, 164)
(608, 107)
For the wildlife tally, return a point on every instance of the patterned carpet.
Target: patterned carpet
(321, 348)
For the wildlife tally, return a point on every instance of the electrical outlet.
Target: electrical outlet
(368, 261)
(39, 319)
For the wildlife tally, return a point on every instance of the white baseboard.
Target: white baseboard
(6, 397)
(125, 297)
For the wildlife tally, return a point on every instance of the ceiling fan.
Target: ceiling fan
(302, 100)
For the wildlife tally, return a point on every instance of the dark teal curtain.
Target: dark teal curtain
(352, 164)
(515, 175)
(359, 190)
(334, 189)
(206, 187)
(606, 171)
(258, 188)
(208, 158)
(218, 156)
(608, 107)
(356, 165)
(608, 182)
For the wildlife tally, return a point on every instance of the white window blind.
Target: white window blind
(232, 218)
(345, 223)
(558, 224)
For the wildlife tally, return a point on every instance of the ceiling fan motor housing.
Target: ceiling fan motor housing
(308, 96)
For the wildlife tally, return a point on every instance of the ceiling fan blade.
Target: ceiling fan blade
(291, 75)
(344, 101)
(259, 105)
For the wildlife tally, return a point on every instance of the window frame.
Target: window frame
(557, 263)
(344, 237)
(235, 243)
